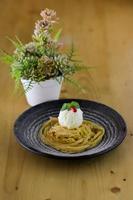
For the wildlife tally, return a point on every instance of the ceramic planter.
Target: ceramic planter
(42, 91)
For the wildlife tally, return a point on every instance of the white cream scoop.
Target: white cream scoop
(71, 118)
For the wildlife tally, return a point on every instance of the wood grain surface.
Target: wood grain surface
(103, 35)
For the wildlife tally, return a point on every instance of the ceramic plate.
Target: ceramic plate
(28, 124)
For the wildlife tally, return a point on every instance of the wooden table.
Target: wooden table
(103, 35)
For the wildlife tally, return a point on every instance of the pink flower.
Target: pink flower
(48, 15)
(49, 18)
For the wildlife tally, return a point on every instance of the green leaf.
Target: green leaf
(29, 86)
(83, 67)
(75, 104)
(15, 43)
(64, 107)
(70, 54)
(68, 106)
(76, 61)
(5, 57)
(58, 35)
(18, 40)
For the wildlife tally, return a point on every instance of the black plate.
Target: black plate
(27, 126)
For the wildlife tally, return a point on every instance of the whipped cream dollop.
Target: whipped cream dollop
(71, 118)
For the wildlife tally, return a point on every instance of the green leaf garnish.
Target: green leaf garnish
(75, 104)
(64, 107)
(68, 106)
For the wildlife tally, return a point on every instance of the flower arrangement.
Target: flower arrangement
(42, 58)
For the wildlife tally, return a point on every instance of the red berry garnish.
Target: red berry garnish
(74, 109)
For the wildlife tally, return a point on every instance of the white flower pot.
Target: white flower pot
(42, 91)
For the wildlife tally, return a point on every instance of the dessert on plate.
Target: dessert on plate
(69, 132)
